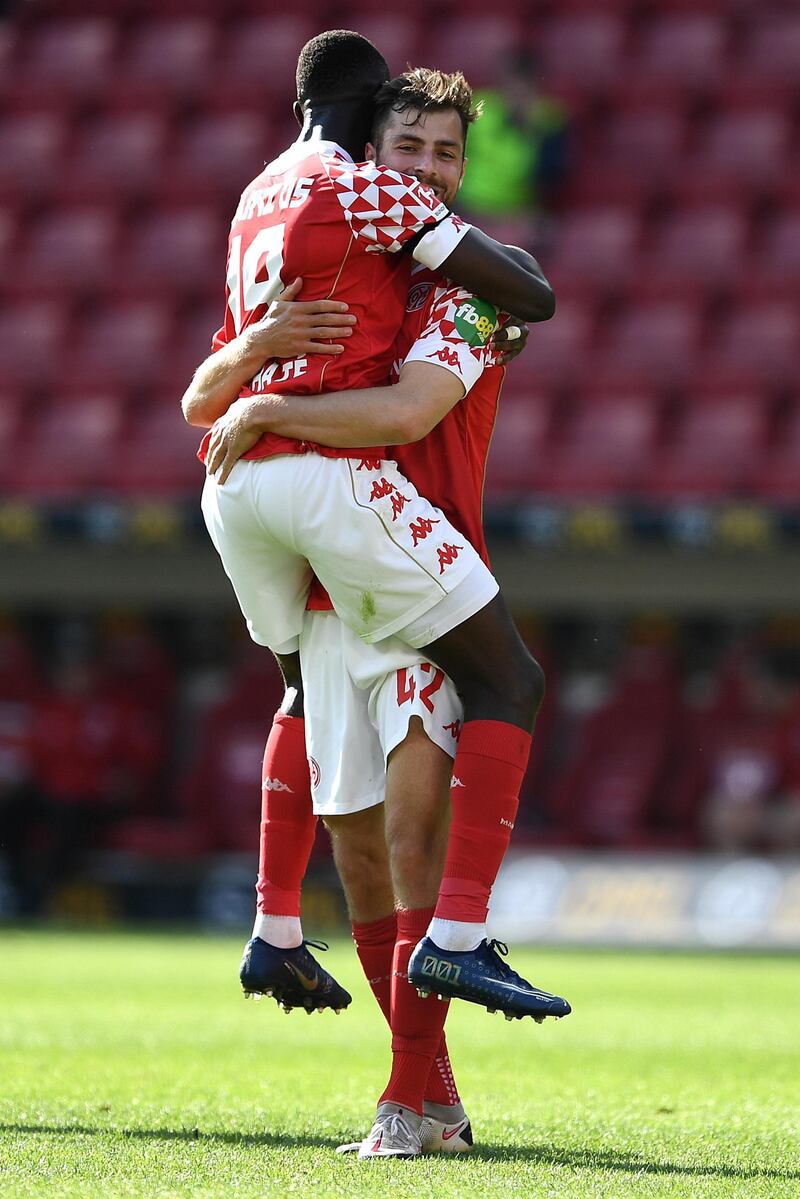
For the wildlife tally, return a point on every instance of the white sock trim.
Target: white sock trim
(284, 932)
(456, 935)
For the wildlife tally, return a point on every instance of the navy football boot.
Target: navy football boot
(292, 977)
(481, 976)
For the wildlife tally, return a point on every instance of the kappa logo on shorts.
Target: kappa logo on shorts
(369, 464)
(447, 555)
(454, 729)
(421, 527)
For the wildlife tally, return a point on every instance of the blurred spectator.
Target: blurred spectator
(742, 739)
(20, 806)
(518, 150)
(95, 753)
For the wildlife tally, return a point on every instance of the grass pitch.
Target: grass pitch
(131, 1066)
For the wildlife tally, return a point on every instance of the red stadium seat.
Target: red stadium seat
(70, 250)
(31, 149)
(119, 344)
(739, 152)
(776, 270)
(396, 34)
(180, 251)
(172, 55)
(190, 345)
(9, 235)
(159, 457)
(12, 407)
(31, 341)
(759, 342)
(701, 247)
(237, 143)
(636, 154)
(595, 246)
(771, 49)
(581, 51)
(67, 56)
(259, 56)
(657, 341)
(715, 447)
(519, 441)
(606, 448)
(557, 348)
(116, 156)
(777, 473)
(677, 52)
(477, 46)
(69, 445)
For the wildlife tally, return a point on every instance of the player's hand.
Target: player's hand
(294, 327)
(510, 341)
(233, 435)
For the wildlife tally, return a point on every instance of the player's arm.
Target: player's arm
(392, 415)
(506, 276)
(289, 329)
(403, 213)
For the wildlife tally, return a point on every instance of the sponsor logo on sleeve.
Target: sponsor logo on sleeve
(476, 321)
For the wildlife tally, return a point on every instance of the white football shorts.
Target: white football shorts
(359, 699)
(387, 557)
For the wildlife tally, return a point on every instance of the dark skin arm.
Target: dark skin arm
(506, 276)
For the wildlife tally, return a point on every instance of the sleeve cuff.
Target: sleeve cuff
(432, 249)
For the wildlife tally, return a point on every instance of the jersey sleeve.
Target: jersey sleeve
(381, 206)
(457, 335)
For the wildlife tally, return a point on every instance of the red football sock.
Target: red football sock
(487, 775)
(441, 1085)
(288, 825)
(375, 949)
(416, 1023)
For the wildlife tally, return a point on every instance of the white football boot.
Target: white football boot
(395, 1133)
(445, 1129)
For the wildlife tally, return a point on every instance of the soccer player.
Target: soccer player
(421, 125)
(301, 506)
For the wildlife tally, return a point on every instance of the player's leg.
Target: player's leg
(276, 959)
(502, 687)
(342, 725)
(417, 715)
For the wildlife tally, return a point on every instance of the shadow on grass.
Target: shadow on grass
(626, 1163)
(602, 1159)
(281, 1140)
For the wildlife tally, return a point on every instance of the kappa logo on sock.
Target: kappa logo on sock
(275, 785)
(456, 782)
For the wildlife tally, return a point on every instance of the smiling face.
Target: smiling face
(427, 145)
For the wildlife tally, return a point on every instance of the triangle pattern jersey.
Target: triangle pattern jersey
(340, 226)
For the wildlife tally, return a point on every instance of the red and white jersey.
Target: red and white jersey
(452, 328)
(314, 213)
(449, 327)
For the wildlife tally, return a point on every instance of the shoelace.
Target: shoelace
(395, 1125)
(498, 948)
(323, 945)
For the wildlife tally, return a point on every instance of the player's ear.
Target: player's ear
(297, 109)
(464, 162)
(370, 153)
